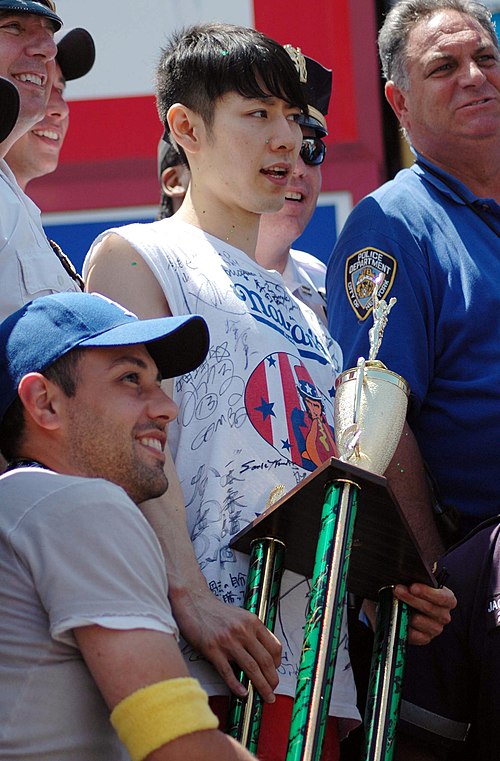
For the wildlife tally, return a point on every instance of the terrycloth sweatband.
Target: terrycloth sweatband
(155, 715)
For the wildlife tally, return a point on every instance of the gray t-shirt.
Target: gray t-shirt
(73, 552)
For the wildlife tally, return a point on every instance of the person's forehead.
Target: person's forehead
(444, 27)
(235, 98)
(6, 13)
(111, 355)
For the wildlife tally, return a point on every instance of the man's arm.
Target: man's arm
(430, 608)
(408, 482)
(122, 662)
(220, 632)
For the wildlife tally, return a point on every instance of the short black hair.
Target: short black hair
(204, 62)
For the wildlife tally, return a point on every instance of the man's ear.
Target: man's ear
(40, 399)
(171, 183)
(185, 127)
(396, 98)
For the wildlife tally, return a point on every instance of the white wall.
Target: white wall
(129, 34)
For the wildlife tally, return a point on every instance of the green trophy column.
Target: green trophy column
(261, 597)
(386, 681)
(323, 625)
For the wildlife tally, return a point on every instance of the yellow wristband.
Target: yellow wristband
(155, 715)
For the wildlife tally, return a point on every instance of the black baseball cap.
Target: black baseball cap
(38, 7)
(9, 107)
(317, 83)
(75, 53)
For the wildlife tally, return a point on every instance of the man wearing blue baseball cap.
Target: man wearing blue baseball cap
(27, 52)
(85, 624)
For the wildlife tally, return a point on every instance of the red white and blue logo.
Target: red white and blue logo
(290, 412)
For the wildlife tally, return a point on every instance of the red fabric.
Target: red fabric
(273, 738)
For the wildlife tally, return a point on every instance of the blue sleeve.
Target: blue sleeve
(373, 243)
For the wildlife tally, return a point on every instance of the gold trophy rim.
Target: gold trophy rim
(376, 370)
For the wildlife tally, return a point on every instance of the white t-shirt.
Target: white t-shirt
(304, 276)
(73, 552)
(243, 429)
(29, 267)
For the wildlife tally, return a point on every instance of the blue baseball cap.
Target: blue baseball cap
(44, 330)
(38, 7)
(9, 107)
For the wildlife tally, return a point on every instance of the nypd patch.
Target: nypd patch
(361, 270)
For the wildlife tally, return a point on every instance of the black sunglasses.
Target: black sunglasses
(312, 151)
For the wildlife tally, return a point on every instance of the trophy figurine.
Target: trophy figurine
(370, 403)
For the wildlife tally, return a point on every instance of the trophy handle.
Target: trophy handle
(349, 439)
(360, 379)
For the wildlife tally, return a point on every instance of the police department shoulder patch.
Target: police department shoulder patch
(361, 269)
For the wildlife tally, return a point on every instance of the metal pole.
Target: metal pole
(384, 692)
(261, 597)
(323, 625)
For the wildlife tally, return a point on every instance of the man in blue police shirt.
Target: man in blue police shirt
(433, 235)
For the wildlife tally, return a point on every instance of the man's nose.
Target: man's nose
(161, 405)
(57, 106)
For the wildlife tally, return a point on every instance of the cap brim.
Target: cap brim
(312, 123)
(177, 344)
(9, 107)
(31, 6)
(75, 54)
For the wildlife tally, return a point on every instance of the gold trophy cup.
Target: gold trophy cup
(370, 404)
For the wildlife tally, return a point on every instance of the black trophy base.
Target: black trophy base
(384, 552)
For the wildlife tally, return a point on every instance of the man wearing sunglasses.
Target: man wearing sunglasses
(303, 273)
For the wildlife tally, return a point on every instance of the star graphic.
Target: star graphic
(266, 408)
(272, 361)
(331, 392)
(285, 444)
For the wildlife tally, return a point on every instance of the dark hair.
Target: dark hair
(165, 207)
(401, 19)
(170, 156)
(62, 372)
(203, 63)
